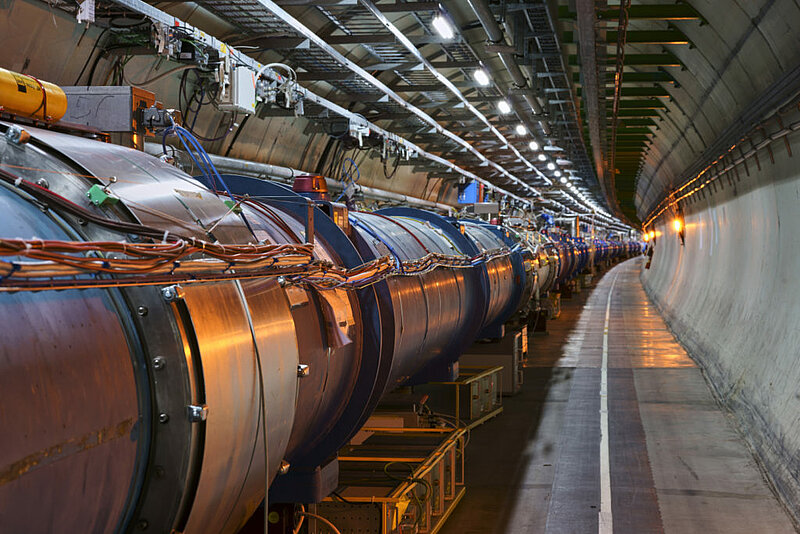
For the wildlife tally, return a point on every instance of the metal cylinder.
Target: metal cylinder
(22, 94)
(175, 408)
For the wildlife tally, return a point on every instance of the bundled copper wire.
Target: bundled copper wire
(54, 264)
(190, 262)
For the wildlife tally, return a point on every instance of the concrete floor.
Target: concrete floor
(676, 462)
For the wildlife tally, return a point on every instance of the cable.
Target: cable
(161, 76)
(347, 172)
(88, 59)
(236, 135)
(303, 513)
(394, 168)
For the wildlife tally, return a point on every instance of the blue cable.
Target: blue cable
(394, 253)
(349, 175)
(204, 163)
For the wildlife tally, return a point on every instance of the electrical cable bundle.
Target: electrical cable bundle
(173, 258)
(160, 263)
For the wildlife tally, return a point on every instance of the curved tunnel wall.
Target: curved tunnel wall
(731, 294)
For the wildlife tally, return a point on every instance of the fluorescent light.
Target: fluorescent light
(551, 166)
(481, 77)
(557, 174)
(533, 145)
(542, 157)
(563, 179)
(443, 27)
(504, 107)
(521, 130)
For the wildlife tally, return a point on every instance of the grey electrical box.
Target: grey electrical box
(486, 207)
(107, 108)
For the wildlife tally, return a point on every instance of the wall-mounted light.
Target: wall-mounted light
(443, 27)
(521, 130)
(504, 107)
(680, 225)
(482, 77)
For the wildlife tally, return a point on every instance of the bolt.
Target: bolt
(142, 524)
(172, 293)
(196, 413)
(41, 182)
(142, 311)
(284, 468)
(163, 418)
(17, 135)
(158, 363)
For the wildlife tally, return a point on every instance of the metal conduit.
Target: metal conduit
(287, 174)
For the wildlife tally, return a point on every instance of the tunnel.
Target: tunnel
(398, 266)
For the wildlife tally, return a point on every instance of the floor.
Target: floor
(670, 460)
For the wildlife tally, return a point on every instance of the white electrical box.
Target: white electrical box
(237, 90)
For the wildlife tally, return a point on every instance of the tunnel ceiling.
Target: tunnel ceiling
(658, 82)
(397, 44)
(621, 99)
(386, 61)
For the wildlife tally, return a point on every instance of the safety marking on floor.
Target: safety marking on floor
(605, 522)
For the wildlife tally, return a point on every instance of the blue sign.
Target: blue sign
(468, 193)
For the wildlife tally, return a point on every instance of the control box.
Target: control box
(237, 88)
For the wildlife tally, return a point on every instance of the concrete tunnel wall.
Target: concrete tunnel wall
(731, 295)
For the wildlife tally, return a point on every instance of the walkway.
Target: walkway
(672, 462)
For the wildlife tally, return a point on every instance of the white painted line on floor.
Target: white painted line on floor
(605, 523)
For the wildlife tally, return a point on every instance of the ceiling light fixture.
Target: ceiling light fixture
(557, 174)
(521, 130)
(481, 77)
(504, 107)
(551, 166)
(541, 157)
(533, 145)
(563, 179)
(443, 27)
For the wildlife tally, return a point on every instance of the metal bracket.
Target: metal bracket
(197, 414)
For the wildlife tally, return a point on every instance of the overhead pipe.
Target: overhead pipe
(495, 35)
(287, 174)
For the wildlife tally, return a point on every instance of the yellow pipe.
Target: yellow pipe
(25, 95)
